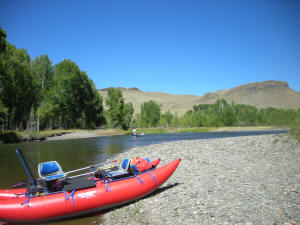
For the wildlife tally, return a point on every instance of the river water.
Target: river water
(72, 154)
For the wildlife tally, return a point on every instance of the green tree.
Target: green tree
(3, 110)
(228, 116)
(3, 115)
(166, 119)
(73, 101)
(65, 94)
(295, 124)
(89, 101)
(2, 40)
(137, 121)
(115, 103)
(245, 114)
(127, 115)
(19, 88)
(119, 113)
(42, 70)
(150, 113)
(221, 113)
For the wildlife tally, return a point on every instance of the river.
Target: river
(72, 154)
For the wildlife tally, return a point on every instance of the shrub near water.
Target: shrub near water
(295, 129)
(10, 137)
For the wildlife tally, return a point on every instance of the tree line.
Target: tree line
(34, 94)
(218, 114)
(224, 114)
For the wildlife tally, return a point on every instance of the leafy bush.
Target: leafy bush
(10, 137)
(295, 129)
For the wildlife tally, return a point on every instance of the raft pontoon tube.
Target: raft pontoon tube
(78, 195)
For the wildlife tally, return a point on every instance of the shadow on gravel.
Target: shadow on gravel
(162, 189)
(157, 191)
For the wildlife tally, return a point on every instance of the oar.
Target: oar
(85, 168)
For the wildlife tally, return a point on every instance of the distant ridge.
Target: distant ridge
(123, 89)
(270, 93)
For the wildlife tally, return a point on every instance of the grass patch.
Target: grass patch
(160, 130)
(193, 130)
(153, 130)
(15, 136)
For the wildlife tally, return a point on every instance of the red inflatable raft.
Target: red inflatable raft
(18, 206)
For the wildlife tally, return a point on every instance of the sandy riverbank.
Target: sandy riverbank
(76, 134)
(241, 180)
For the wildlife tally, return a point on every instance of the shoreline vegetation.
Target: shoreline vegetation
(15, 136)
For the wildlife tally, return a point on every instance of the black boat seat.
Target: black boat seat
(119, 174)
(123, 172)
(50, 171)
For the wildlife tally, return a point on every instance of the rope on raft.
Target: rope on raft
(70, 195)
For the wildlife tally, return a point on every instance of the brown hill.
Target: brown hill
(261, 94)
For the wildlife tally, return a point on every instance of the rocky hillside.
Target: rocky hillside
(261, 94)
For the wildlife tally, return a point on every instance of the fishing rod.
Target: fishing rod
(26, 167)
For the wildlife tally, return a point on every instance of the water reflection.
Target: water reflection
(111, 149)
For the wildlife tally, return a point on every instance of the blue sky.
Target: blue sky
(177, 47)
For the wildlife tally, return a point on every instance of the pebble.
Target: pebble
(241, 180)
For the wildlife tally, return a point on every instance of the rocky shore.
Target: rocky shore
(73, 135)
(241, 180)
(85, 134)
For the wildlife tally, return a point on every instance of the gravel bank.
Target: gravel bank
(240, 180)
(74, 135)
